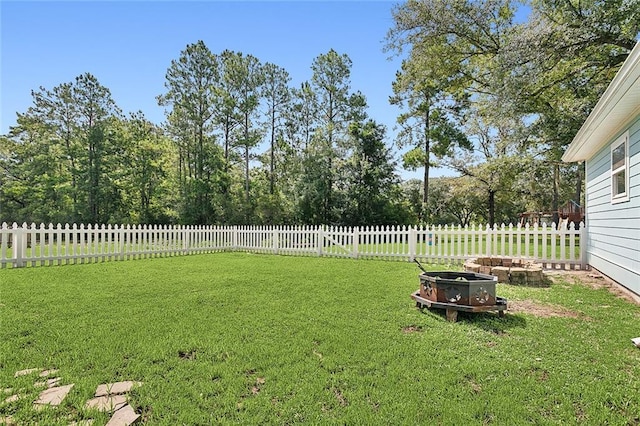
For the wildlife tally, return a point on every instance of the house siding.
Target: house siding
(613, 242)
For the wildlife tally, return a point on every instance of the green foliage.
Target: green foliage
(192, 97)
(430, 123)
(372, 184)
(335, 107)
(57, 158)
(277, 96)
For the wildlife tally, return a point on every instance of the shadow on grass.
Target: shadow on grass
(487, 321)
(493, 323)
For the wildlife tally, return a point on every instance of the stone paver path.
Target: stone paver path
(109, 397)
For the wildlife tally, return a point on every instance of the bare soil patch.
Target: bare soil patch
(540, 310)
(412, 329)
(595, 280)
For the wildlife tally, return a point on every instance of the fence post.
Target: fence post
(275, 236)
(320, 239)
(121, 237)
(19, 245)
(355, 235)
(234, 238)
(413, 243)
(583, 246)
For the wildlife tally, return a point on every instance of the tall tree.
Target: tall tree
(148, 158)
(301, 120)
(247, 83)
(549, 71)
(192, 98)
(57, 111)
(226, 115)
(373, 191)
(559, 62)
(336, 108)
(95, 107)
(277, 96)
(495, 160)
(428, 123)
(70, 126)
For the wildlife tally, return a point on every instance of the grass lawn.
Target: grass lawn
(237, 338)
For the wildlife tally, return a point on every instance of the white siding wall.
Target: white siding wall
(613, 242)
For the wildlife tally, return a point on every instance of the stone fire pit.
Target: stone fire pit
(508, 270)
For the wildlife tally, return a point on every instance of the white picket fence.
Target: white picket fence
(40, 245)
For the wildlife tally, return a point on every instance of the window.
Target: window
(620, 169)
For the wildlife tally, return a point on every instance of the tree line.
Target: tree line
(494, 99)
(75, 157)
(518, 91)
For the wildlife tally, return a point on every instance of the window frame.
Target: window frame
(624, 196)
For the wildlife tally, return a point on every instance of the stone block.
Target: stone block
(7, 421)
(502, 273)
(109, 403)
(25, 372)
(116, 388)
(518, 276)
(53, 396)
(496, 261)
(536, 275)
(46, 373)
(472, 267)
(124, 417)
(49, 383)
(485, 270)
(12, 398)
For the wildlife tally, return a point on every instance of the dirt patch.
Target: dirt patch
(189, 355)
(595, 280)
(340, 397)
(412, 329)
(540, 310)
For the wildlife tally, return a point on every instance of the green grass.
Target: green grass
(252, 339)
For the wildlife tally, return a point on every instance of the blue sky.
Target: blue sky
(129, 45)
